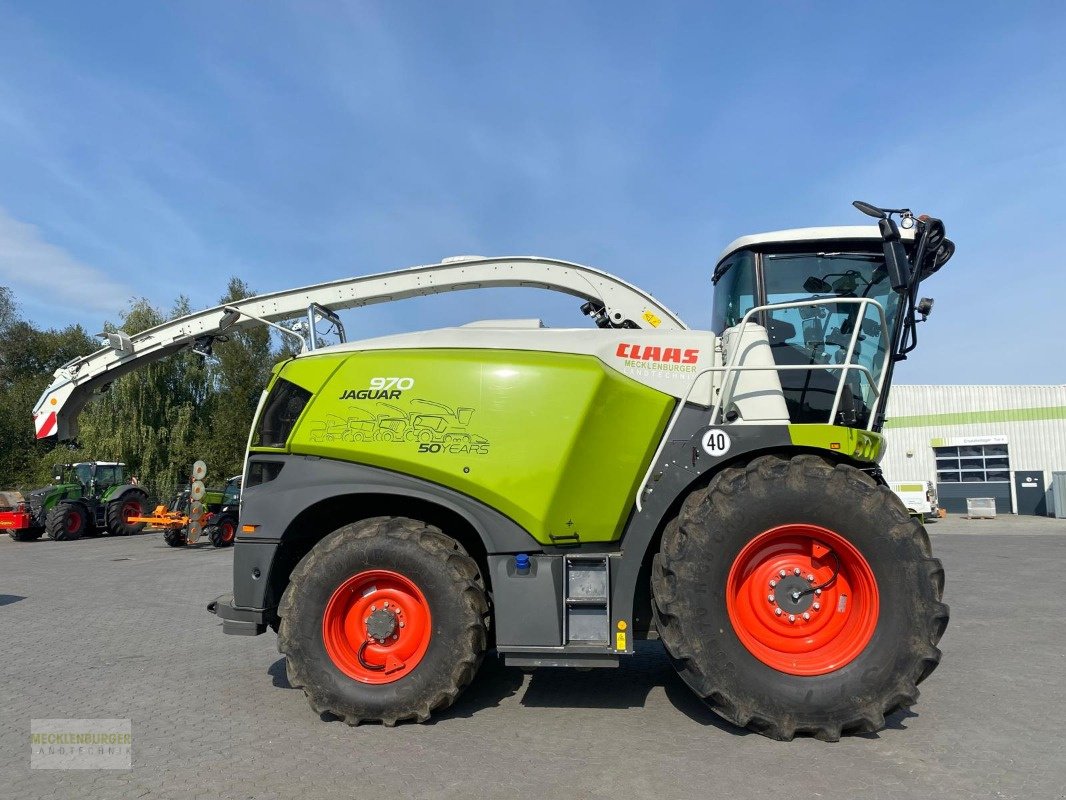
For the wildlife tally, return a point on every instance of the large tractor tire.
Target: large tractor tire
(176, 537)
(223, 531)
(26, 534)
(356, 627)
(798, 597)
(131, 504)
(66, 522)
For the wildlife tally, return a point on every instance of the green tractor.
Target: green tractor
(87, 497)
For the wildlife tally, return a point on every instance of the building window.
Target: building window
(973, 463)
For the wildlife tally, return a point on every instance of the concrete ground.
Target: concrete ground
(117, 628)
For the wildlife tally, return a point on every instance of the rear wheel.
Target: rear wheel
(223, 532)
(384, 620)
(796, 596)
(26, 534)
(131, 504)
(66, 522)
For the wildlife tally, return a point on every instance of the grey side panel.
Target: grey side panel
(251, 568)
(527, 608)
(307, 480)
(683, 461)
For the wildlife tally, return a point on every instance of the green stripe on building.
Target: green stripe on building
(974, 417)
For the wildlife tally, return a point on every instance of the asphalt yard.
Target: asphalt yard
(116, 628)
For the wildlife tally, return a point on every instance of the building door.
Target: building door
(1030, 491)
(972, 467)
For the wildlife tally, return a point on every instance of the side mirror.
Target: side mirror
(229, 319)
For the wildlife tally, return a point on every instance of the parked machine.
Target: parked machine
(582, 489)
(196, 510)
(919, 498)
(87, 497)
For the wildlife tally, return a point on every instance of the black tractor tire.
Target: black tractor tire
(26, 534)
(131, 504)
(691, 581)
(66, 522)
(176, 537)
(222, 531)
(438, 567)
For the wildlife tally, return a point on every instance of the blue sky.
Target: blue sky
(152, 149)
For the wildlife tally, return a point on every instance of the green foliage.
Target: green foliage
(28, 357)
(158, 419)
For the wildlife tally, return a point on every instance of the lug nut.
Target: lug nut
(396, 636)
(810, 578)
(778, 611)
(806, 615)
(770, 598)
(773, 584)
(791, 617)
(817, 591)
(381, 641)
(401, 624)
(796, 571)
(373, 608)
(782, 573)
(816, 606)
(386, 604)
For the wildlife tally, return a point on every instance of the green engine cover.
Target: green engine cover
(557, 442)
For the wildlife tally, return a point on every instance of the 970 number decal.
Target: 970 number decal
(384, 388)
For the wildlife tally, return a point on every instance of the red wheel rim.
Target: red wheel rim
(73, 521)
(822, 631)
(389, 602)
(228, 531)
(131, 508)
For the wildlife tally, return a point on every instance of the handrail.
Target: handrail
(732, 366)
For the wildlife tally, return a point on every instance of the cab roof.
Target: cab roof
(841, 233)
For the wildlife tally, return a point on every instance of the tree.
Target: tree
(28, 357)
(158, 420)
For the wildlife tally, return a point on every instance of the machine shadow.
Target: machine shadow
(627, 686)
(8, 599)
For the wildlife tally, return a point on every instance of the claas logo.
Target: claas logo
(673, 355)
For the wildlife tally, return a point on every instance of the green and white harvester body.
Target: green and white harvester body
(558, 495)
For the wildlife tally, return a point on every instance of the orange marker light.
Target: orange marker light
(248, 528)
(834, 445)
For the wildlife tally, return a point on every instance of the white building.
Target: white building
(979, 441)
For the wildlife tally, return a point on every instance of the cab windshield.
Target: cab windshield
(817, 335)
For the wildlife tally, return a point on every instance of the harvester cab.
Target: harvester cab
(561, 494)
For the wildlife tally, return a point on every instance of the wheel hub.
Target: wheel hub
(791, 595)
(381, 624)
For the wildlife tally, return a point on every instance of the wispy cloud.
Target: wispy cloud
(44, 274)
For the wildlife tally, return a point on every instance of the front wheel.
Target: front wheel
(26, 534)
(796, 596)
(176, 537)
(384, 620)
(223, 532)
(66, 522)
